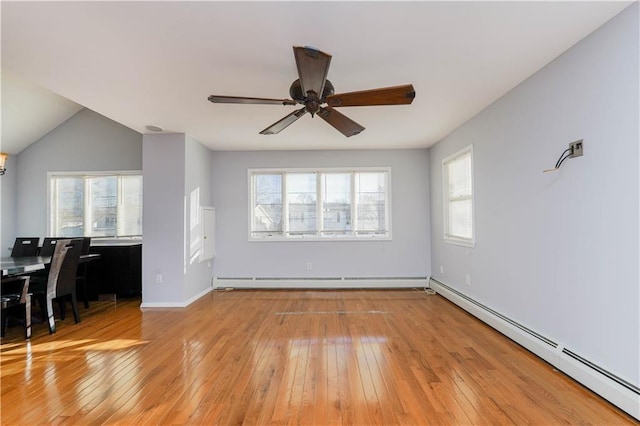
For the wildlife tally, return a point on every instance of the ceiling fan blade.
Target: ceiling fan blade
(341, 122)
(217, 99)
(283, 123)
(396, 95)
(313, 66)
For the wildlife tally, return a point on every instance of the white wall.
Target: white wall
(87, 141)
(407, 255)
(558, 252)
(175, 166)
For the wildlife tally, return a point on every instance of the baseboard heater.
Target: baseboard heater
(319, 282)
(611, 387)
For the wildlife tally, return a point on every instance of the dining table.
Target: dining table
(27, 264)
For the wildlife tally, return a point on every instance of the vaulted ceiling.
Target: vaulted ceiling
(155, 63)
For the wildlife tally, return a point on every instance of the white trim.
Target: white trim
(189, 301)
(320, 283)
(546, 349)
(453, 239)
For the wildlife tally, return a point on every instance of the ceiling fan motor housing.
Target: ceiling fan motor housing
(295, 91)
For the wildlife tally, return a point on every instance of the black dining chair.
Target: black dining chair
(48, 246)
(15, 296)
(60, 282)
(25, 247)
(81, 278)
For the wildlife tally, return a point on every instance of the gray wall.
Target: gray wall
(197, 180)
(558, 252)
(407, 255)
(8, 206)
(163, 251)
(174, 167)
(87, 141)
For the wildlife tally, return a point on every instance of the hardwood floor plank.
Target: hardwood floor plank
(326, 357)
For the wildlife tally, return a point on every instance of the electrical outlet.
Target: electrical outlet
(441, 269)
(309, 266)
(158, 278)
(467, 280)
(576, 148)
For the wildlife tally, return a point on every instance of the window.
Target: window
(457, 178)
(95, 205)
(319, 204)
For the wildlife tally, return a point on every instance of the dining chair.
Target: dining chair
(25, 247)
(48, 245)
(60, 282)
(81, 278)
(15, 295)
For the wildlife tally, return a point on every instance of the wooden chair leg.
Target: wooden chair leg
(27, 318)
(48, 311)
(5, 320)
(42, 303)
(85, 296)
(74, 306)
(63, 307)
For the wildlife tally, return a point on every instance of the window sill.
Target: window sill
(318, 239)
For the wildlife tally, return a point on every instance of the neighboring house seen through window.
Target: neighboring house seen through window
(319, 204)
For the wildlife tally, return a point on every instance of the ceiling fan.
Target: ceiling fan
(312, 89)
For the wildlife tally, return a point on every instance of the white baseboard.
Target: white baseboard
(619, 392)
(320, 283)
(175, 304)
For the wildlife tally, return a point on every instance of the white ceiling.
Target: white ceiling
(155, 63)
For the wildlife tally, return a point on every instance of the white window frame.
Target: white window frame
(448, 237)
(51, 175)
(354, 235)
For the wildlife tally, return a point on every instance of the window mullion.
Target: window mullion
(460, 198)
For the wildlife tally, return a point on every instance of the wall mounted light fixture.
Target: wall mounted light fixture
(574, 150)
(3, 161)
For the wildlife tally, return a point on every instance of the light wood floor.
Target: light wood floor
(286, 357)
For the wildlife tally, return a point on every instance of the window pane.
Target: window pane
(267, 204)
(301, 202)
(460, 176)
(68, 206)
(130, 209)
(371, 187)
(336, 203)
(103, 199)
(319, 204)
(460, 219)
(96, 206)
(459, 198)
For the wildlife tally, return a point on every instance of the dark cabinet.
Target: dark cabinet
(118, 272)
